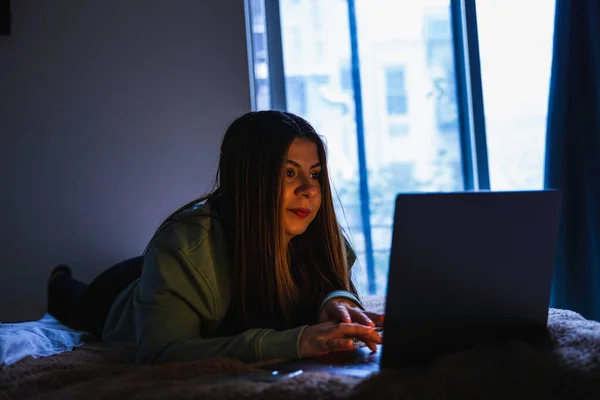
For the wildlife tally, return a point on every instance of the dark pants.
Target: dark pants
(85, 307)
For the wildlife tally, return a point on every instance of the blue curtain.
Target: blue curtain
(573, 154)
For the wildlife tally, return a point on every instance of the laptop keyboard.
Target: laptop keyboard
(368, 360)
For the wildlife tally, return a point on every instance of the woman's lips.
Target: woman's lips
(300, 212)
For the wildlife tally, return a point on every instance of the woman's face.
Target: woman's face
(301, 188)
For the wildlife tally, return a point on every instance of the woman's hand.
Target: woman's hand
(320, 339)
(340, 309)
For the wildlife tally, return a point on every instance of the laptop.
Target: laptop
(466, 269)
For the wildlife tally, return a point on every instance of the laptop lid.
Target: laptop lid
(468, 269)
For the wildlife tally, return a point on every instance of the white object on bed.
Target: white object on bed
(44, 337)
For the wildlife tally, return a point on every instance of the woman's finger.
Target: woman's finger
(375, 317)
(353, 330)
(361, 317)
(371, 345)
(373, 337)
(341, 313)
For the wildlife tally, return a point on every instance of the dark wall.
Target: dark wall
(111, 116)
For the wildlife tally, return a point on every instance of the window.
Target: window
(398, 129)
(515, 72)
(346, 78)
(440, 61)
(437, 28)
(393, 87)
(295, 87)
(260, 47)
(259, 65)
(257, 10)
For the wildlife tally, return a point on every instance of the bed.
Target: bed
(569, 368)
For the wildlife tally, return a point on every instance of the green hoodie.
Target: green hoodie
(173, 311)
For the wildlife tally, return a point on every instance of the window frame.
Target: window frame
(469, 94)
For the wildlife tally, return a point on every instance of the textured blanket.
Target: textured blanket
(569, 369)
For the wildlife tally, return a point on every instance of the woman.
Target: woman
(257, 269)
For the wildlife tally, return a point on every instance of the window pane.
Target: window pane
(409, 105)
(515, 72)
(259, 50)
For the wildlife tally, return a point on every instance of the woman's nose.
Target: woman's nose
(308, 189)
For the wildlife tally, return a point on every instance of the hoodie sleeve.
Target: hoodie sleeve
(173, 302)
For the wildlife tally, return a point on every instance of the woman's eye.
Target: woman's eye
(290, 173)
(315, 175)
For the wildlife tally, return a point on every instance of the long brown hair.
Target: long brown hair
(274, 285)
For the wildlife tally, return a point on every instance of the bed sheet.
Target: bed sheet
(44, 337)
